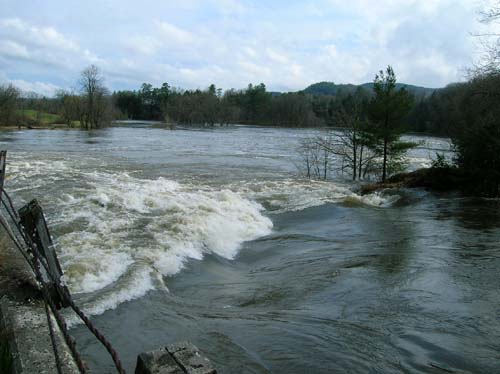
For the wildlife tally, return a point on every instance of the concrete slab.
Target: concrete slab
(179, 358)
(28, 339)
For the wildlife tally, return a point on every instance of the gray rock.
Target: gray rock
(157, 362)
(179, 358)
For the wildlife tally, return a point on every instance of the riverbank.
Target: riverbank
(433, 179)
(393, 284)
(57, 126)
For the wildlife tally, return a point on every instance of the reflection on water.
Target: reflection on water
(208, 236)
(482, 214)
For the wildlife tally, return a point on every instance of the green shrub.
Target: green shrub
(440, 162)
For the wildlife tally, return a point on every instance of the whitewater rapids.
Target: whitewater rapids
(119, 236)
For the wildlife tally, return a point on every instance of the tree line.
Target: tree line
(371, 117)
(253, 105)
(433, 114)
(371, 120)
(90, 106)
(370, 143)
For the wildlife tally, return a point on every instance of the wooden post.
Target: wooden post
(3, 157)
(35, 226)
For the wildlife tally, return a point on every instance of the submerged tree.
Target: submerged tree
(70, 106)
(387, 111)
(314, 157)
(9, 98)
(353, 143)
(347, 148)
(95, 108)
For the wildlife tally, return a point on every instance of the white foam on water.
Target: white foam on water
(135, 287)
(295, 195)
(90, 265)
(123, 222)
(376, 199)
(118, 236)
(21, 170)
(419, 162)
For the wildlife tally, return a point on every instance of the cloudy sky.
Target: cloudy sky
(287, 44)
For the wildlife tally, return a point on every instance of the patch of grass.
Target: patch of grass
(42, 118)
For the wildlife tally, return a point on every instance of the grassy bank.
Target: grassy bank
(42, 118)
(34, 119)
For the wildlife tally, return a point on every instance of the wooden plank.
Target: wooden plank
(35, 226)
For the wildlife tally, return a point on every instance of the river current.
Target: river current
(209, 235)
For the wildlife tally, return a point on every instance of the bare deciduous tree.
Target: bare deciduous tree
(492, 13)
(9, 96)
(350, 145)
(314, 158)
(489, 64)
(70, 104)
(350, 149)
(94, 108)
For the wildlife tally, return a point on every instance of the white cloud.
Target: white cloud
(255, 71)
(331, 51)
(276, 57)
(45, 89)
(234, 42)
(145, 45)
(231, 7)
(172, 34)
(41, 46)
(250, 52)
(46, 37)
(13, 49)
(92, 57)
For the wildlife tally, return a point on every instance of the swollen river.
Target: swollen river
(210, 236)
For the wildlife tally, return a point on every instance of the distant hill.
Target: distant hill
(275, 93)
(332, 89)
(416, 90)
(329, 88)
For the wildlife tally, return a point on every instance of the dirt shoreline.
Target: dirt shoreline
(433, 179)
(43, 127)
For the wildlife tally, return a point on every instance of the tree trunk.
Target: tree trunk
(325, 164)
(384, 167)
(360, 161)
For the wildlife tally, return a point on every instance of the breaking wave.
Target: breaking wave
(118, 235)
(294, 195)
(129, 224)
